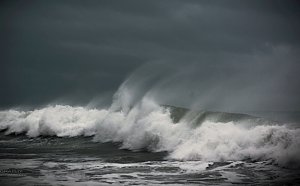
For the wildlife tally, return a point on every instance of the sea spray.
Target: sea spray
(150, 126)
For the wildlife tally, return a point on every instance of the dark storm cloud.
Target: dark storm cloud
(81, 49)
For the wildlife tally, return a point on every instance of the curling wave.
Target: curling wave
(160, 128)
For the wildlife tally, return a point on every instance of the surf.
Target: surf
(184, 134)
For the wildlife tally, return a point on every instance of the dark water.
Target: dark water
(169, 145)
(80, 161)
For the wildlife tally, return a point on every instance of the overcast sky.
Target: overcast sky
(213, 54)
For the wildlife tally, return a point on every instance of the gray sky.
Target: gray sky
(225, 55)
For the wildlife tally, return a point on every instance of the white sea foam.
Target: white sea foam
(148, 125)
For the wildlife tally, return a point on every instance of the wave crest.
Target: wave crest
(150, 126)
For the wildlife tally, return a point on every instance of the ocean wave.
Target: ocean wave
(150, 126)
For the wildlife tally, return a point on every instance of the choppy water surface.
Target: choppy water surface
(147, 145)
(74, 161)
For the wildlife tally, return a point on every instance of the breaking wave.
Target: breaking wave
(185, 135)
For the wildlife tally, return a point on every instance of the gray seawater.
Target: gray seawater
(32, 153)
(80, 161)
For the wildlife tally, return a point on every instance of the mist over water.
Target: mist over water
(260, 82)
(201, 126)
(138, 121)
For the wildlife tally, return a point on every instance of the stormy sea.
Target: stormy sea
(147, 144)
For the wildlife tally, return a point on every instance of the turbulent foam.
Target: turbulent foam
(150, 126)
